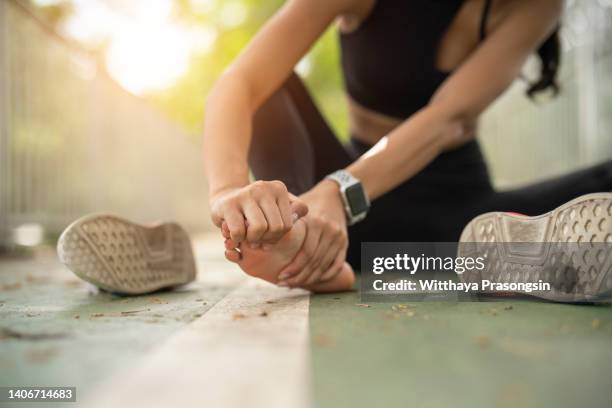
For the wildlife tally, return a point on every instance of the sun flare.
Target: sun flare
(148, 59)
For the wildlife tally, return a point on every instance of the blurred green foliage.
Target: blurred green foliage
(185, 101)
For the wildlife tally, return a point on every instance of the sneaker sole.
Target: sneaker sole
(123, 257)
(526, 249)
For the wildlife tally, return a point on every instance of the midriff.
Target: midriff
(368, 126)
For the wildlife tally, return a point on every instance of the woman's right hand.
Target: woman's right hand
(261, 212)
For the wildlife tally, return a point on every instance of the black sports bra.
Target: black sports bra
(389, 61)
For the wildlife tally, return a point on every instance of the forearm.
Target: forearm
(405, 151)
(227, 136)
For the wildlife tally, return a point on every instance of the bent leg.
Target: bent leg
(545, 196)
(292, 142)
(535, 199)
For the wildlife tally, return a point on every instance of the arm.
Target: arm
(460, 99)
(443, 123)
(234, 99)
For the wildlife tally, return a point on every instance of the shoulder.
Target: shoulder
(341, 6)
(536, 17)
(543, 10)
(350, 13)
(354, 14)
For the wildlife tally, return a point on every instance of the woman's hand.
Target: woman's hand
(323, 253)
(261, 212)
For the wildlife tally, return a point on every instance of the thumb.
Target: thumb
(298, 207)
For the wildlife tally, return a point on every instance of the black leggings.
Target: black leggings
(293, 143)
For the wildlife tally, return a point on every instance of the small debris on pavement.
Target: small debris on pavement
(323, 340)
(508, 307)
(77, 316)
(199, 300)
(158, 301)
(96, 315)
(15, 334)
(362, 305)
(130, 312)
(40, 356)
(483, 341)
(11, 286)
(37, 279)
(238, 316)
(270, 302)
(73, 283)
(197, 315)
(400, 310)
(264, 314)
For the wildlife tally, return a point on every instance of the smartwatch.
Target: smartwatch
(356, 202)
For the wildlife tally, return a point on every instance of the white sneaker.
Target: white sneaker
(569, 247)
(123, 257)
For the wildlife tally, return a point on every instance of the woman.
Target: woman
(418, 74)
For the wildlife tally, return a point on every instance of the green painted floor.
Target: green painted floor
(428, 354)
(55, 332)
(432, 354)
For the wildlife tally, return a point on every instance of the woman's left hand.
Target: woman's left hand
(324, 250)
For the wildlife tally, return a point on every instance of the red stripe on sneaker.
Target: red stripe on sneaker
(515, 213)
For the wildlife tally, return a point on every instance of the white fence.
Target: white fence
(73, 142)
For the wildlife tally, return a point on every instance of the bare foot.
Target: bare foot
(267, 263)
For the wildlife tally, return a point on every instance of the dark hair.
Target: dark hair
(550, 59)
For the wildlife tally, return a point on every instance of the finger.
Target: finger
(284, 207)
(327, 260)
(314, 277)
(335, 246)
(298, 207)
(257, 224)
(325, 252)
(335, 268)
(310, 247)
(276, 227)
(235, 224)
(296, 266)
(325, 245)
(233, 256)
(300, 278)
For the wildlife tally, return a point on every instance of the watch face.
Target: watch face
(356, 199)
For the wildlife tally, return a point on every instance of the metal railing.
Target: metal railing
(72, 141)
